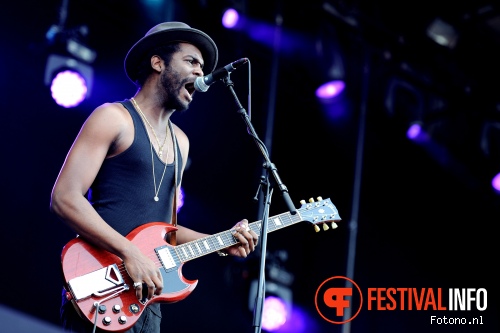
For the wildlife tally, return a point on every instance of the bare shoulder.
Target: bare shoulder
(183, 141)
(110, 114)
(182, 138)
(108, 118)
(110, 126)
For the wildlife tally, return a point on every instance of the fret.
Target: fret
(278, 222)
(256, 224)
(211, 243)
(311, 212)
(229, 239)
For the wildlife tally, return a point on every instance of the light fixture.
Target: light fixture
(234, 15)
(230, 18)
(417, 132)
(442, 33)
(495, 183)
(330, 59)
(329, 90)
(70, 81)
(278, 296)
(68, 70)
(180, 200)
(277, 306)
(274, 314)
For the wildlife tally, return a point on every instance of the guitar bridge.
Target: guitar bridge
(100, 282)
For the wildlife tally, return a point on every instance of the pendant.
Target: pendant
(156, 198)
(160, 153)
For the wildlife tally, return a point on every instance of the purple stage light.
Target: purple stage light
(180, 200)
(330, 89)
(68, 88)
(414, 131)
(230, 18)
(274, 313)
(495, 182)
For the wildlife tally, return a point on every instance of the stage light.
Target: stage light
(417, 132)
(442, 33)
(495, 183)
(278, 297)
(331, 64)
(230, 18)
(180, 201)
(277, 306)
(330, 89)
(68, 88)
(274, 313)
(70, 80)
(68, 70)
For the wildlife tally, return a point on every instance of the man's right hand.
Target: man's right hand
(143, 271)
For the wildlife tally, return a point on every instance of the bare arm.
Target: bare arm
(106, 132)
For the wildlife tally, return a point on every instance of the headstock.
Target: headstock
(322, 211)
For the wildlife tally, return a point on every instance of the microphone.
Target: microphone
(203, 83)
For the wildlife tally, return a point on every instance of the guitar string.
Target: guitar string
(228, 240)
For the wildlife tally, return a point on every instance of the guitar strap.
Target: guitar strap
(173, 236)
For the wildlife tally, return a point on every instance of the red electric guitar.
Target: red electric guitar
(101, 291)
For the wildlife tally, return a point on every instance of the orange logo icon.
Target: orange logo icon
(333, 297)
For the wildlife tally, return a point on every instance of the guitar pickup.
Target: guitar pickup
(166, 258)
(96, 282)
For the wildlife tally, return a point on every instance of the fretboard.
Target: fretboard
(221, 240)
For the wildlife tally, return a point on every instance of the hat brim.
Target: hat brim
(198, 38)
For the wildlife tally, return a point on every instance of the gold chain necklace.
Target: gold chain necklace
(160, 146)
(157, 190)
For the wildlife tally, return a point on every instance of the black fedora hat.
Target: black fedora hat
(168, 32)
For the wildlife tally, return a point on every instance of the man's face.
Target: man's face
(178, 77)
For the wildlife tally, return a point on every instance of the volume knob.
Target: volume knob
(102, 309)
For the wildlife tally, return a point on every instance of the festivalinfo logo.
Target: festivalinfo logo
(339, 300)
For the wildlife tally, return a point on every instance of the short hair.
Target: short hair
(144, 69)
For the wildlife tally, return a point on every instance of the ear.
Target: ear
(156, 63)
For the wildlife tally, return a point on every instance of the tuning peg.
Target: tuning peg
(325, 226)
(319, 198)
(334, 225)
(302, 202)
(316, 228)
(311, 200)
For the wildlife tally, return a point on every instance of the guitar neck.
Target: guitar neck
(222, 240)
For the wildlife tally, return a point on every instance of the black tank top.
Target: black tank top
(123, 191)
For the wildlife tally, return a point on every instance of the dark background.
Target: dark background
(425, 215)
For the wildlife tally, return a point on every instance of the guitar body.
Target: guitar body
(98, 277)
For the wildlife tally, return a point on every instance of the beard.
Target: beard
(172, 84)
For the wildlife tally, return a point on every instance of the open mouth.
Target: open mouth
(190, 88)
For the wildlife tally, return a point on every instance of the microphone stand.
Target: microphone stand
(268, 167)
